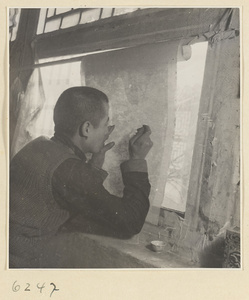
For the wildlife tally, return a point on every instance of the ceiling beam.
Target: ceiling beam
(140, 27)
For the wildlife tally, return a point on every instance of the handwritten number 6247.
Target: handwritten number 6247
(16, 287)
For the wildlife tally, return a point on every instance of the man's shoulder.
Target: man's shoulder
(43, 148)
(37, 142)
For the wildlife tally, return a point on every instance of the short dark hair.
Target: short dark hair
(77, 105)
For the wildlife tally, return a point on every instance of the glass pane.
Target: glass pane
(90, 16)
(52, 25)
(70, 20)
(189, 85)
(62, 10)
(51, 12)
(121, 11)
(55, 80)
(107, 12)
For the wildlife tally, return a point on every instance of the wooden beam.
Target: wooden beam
(21, 54)
(20, 51)
(139, 27)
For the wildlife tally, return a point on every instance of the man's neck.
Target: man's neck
(71, 143)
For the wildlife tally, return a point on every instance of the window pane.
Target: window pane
(121, 11)
(189, 84)
(90, 16)
(55, 80)
(70, 20)
(51, 12)
(62, 10)
(53, 25)
(107, 12)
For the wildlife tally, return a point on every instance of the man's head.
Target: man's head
(82, 114)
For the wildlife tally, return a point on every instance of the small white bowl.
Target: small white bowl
(158, 246)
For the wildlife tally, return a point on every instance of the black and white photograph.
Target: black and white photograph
(124, 137)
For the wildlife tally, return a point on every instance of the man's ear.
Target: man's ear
(84, 129)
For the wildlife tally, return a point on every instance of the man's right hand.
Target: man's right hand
(140, 144)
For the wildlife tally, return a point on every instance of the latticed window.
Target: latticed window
(52, 19)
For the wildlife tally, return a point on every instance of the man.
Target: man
(51, 181)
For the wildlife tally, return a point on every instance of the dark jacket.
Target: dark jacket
(51, 184)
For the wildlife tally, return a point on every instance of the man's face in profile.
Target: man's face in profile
(99, 134)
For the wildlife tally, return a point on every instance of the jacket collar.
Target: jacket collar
(64, 139)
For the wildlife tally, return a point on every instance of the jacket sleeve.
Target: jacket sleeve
(79, 186)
